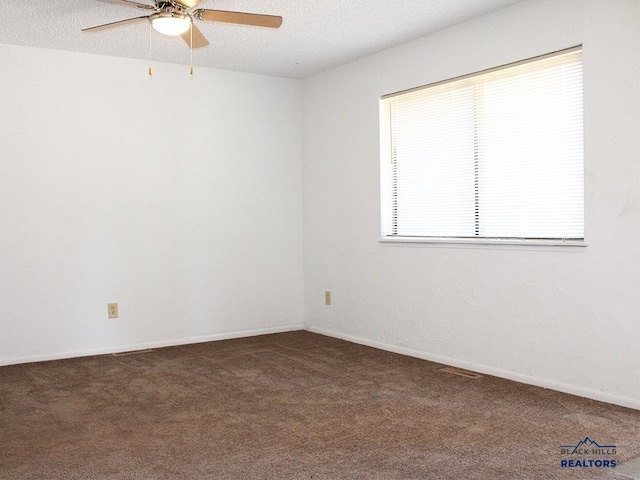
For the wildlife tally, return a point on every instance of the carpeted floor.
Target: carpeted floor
(291, 406)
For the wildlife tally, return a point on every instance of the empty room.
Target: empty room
(364, 239)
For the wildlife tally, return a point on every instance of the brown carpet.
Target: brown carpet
(290, 406)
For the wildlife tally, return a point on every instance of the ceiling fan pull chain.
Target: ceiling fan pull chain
(191, 48)
(150, 68)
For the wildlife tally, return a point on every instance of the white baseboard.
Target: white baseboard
(145, 345)
(496, 372)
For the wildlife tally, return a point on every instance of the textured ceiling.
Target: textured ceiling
(315, 36)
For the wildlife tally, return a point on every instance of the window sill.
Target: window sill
(528, 242)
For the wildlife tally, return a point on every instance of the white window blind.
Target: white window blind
(497, 154)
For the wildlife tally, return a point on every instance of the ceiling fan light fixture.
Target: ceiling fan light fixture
(172, 24)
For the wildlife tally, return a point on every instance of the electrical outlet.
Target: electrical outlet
(327, 297)
(112, 309)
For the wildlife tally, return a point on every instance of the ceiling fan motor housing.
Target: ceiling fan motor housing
(167, 5)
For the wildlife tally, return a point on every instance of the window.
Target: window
(494, 155)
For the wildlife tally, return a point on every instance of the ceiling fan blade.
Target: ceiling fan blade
(198, 38)
(224, 16)
(188, 3)
(131, 4)
(115, 24)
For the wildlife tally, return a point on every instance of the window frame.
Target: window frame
(386, 167)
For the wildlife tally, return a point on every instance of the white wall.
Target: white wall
(566, 318)
(179, 198)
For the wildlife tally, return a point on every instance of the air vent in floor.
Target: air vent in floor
(135, 352)
(460, 372)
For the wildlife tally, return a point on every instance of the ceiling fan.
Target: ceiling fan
(175, 17)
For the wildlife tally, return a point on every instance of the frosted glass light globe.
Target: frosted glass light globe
(171, 23)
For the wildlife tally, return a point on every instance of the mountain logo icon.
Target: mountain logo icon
(586, 443)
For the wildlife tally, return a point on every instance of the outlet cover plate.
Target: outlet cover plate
(112, 309)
